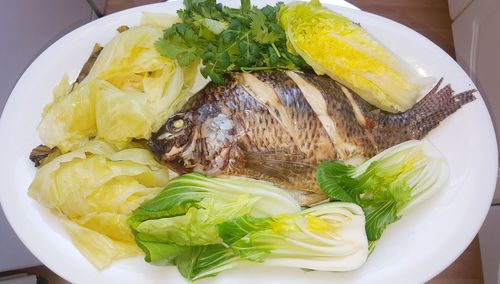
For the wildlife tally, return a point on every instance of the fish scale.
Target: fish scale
(277, 126)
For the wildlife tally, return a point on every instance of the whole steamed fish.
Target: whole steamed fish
(278, 125)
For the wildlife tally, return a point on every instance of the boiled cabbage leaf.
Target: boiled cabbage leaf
(70, 118)
(94, 189)
(97, 247)
(129, 92)
(161, 20)
(334, 45)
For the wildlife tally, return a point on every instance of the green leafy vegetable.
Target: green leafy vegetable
(199, 262)
(187, 212)
(156, 252)
(228, 39)
(198, 225)
(387, 184)
(187, 190)
(207, 225)
(328, 237)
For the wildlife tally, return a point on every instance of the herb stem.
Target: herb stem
(276, 49)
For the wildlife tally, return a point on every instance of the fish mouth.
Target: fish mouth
(168, 147)
(160, 145)
(160, 151)
(156, 148)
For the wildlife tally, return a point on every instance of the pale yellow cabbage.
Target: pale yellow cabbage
(130, 92)
(122, 115)
(131, 63)
(70, 118)
(334, 45)
(94, 189)
(99, 248)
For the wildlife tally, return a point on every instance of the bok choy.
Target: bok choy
(387, 184)
(188, 210)
(207, 225)
(327, 237)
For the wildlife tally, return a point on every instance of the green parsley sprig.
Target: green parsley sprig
(228, 39)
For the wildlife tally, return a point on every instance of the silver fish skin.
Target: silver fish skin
(279, 125)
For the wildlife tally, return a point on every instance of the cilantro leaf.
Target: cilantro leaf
(260, 30)
(228, 39)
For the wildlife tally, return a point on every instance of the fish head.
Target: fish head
(170, 142)
(196, 141)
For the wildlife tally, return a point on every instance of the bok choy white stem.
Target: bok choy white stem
(207, 225)
(327, 237)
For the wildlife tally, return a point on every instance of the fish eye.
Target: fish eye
(178, 124)
(175, 123)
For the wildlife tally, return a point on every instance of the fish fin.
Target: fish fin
(277, 165)
(391, 129)
(437, 105)
(268, 170)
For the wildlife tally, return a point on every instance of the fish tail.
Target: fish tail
(438, 104)
(415, 123)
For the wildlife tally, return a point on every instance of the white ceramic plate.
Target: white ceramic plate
(426, 240)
